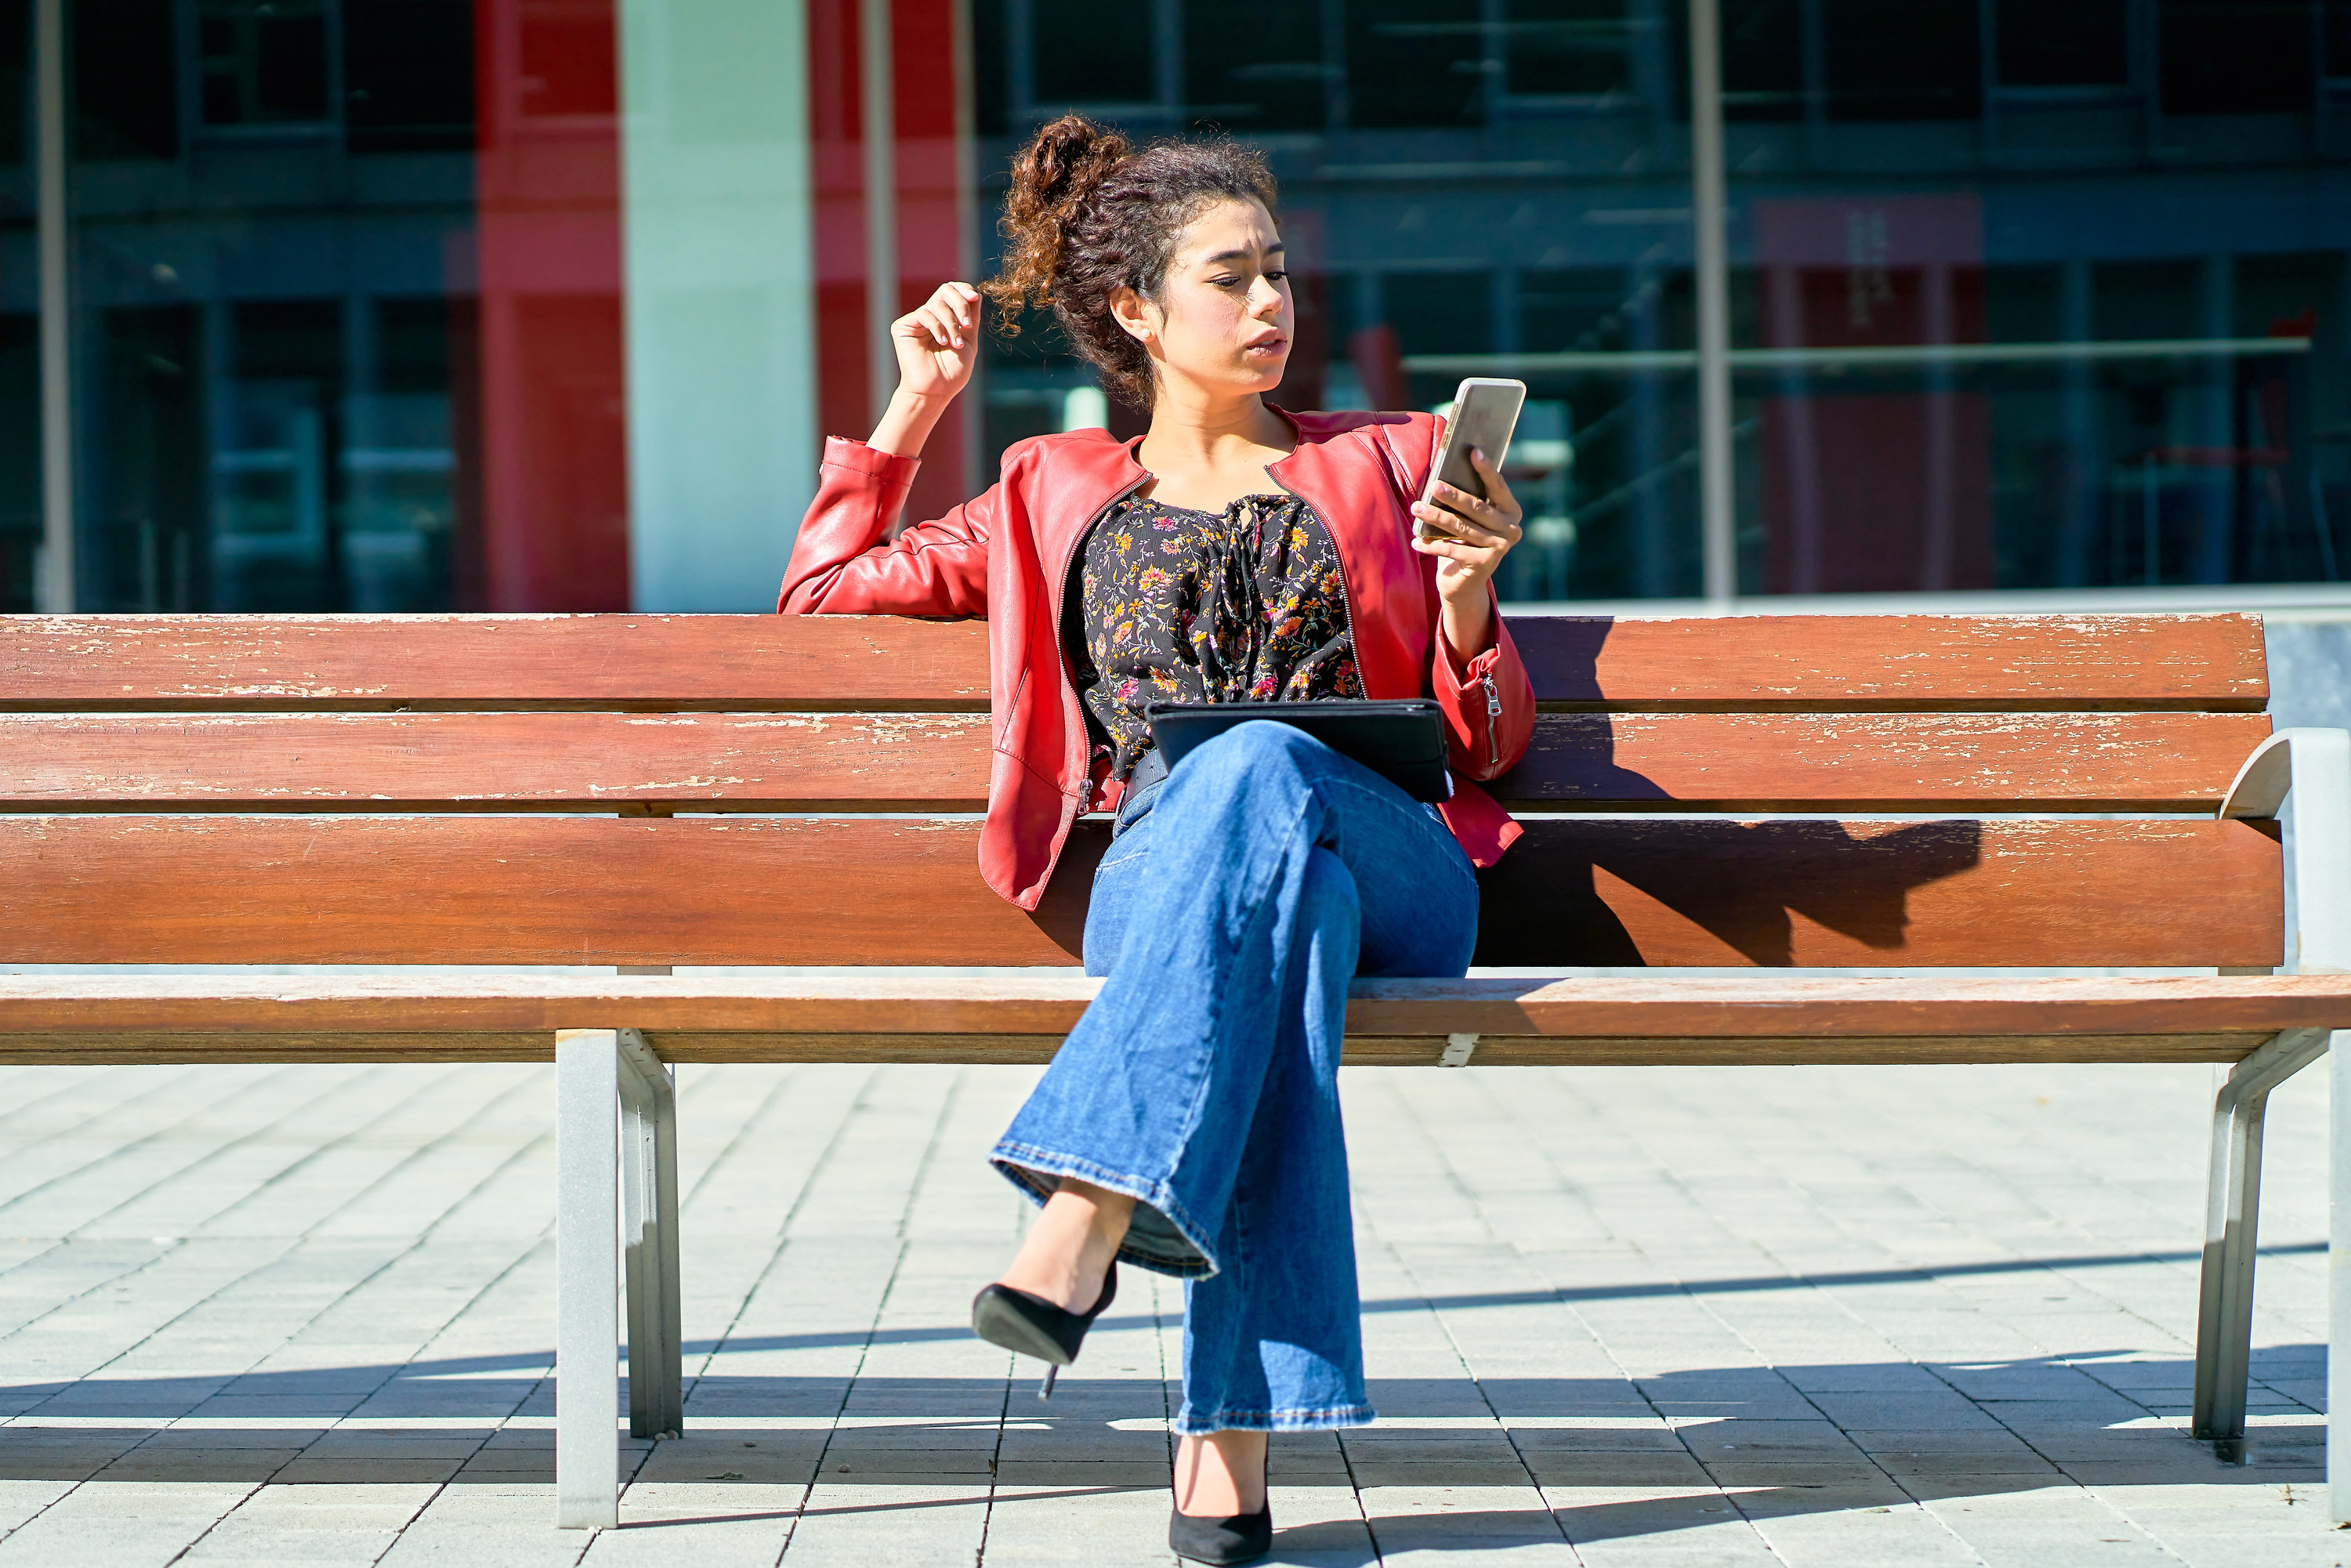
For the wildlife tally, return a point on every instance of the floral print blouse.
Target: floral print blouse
(1245, 605)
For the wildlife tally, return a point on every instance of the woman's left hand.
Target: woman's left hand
(1477, 533)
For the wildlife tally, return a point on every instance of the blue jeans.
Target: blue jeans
(1229, 915)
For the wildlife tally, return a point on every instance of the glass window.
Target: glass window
(2021, 296)
(346, 307)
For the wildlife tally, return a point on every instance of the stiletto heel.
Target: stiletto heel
(1031, 1325)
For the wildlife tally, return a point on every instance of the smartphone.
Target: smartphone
(1485, 412)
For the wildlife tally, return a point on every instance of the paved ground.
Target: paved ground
(1935, 1316)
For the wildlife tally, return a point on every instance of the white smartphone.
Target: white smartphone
(1485, 412)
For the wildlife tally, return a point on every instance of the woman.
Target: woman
(1190, 1124)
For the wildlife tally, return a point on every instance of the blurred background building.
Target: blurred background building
(403, 305)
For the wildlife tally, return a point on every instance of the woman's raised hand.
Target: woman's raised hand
(939, 342)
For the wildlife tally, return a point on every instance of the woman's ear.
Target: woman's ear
(1137, 316)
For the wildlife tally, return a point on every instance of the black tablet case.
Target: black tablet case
(1403, 742)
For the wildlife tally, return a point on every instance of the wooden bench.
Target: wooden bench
(645, 792)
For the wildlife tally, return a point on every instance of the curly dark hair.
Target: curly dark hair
(1089, 214)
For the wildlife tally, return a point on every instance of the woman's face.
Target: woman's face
(1223, 319)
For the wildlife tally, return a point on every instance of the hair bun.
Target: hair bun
(1065, 163)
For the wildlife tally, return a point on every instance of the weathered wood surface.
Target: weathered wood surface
(799, 1017)
(1376, 1050)
(759, 662)
(889, 762)
(742, 891)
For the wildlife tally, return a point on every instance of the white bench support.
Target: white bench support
(2315, 765)
(2224, 1319)
(648, 1242)
(596, 1069)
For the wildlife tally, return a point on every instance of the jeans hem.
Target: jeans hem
(1022, 1163)
(1329, 1418)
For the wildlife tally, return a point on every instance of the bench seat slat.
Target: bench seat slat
(741, 662)
(1371, 1051)
(897, 762)
(718, 1018)
(1594, 890)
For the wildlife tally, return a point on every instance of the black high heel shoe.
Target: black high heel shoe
(1031, 1325)
(1243, 1538)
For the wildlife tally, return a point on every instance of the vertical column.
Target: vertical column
(877, 57)
(1707, 191)
(54, 590)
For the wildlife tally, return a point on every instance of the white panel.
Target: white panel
(716, 220)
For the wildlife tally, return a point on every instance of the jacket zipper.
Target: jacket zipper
(1493, 712)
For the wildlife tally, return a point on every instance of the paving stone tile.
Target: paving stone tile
(1599, 1299)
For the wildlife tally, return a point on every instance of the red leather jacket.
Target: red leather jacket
(1006, 557)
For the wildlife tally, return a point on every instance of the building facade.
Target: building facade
(406, 304)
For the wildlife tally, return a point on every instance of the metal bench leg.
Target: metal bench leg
(2339, 1285)
(2315, 765)
(587, 1268)
(2224, 1326)
(649, 1237)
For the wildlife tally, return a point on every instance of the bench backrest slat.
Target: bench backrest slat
(759, 662)
(458, 790)
(933, 761)
(1574, 891)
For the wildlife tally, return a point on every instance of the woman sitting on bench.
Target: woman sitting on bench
(1190, 1124)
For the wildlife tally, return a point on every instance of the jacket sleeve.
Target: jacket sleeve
(844, 563)
(1489, 702)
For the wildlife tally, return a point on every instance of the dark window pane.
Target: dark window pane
(1762, 60)
(1086, 52)
(1415, 63)
(126, 102)
(1572, 311)
(1249, 66)
(1441, 312)
(408, 75)
(20, 459)
(16, 77)
(413, 345)
(147, 470)
(2236, 57)
(290, 67)
(1568, 46)
(2077, 43)
(264, 61)
(991, 87)
(2022, 304)
(569, 58)
(2338, 38)
(2136, 300)
(1916, 61)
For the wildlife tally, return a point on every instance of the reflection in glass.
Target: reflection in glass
(2022, 296)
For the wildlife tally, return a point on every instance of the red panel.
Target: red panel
(553, 470)
(1875, 487)
(927, 85)
(837, 142)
